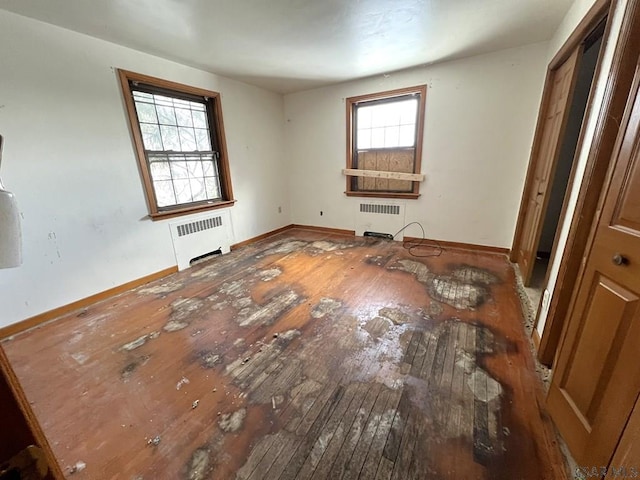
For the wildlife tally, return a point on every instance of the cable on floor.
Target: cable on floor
(422, 243)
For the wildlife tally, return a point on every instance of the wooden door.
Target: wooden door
(626, 461)
(550, 133)
(24, 450)
(597, 377)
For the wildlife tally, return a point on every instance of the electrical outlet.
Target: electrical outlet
(546, 298)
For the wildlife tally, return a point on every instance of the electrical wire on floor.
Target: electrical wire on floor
(422, 243)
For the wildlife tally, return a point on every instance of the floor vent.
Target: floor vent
(382, 218)
(380, 208)
(199, 225)
(201, 236)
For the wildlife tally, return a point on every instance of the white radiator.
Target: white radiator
(201, 235)
(381, 217)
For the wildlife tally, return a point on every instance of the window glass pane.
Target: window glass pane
(160, 171)
(187, 139)
(170, 139)
(377, 137)
(212, 186)
(391, 136)
(377, 116)
(391, 114)
(142, 96)
(162, 100)
(203, 141)
(183, 190)
(151, 136)
(407, 136)
(408, 111)
(364, 139)
(195, 169)
(164, 193)
(207, 168)
(198, 189)
(364, 117)
(179, 103)
(401, 112)
(179, 170)
(146, 112)
(199, 119)
(166, 115)
(184, 117)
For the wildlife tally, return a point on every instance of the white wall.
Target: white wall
(574, 15)
(563, 33)
(70, 162)
(480, 120)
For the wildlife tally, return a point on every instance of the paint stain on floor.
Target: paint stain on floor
(302, 358)
(326, 306)
(132, 366)
(464, 288)
(232, 422)
(163, 288)
(269, 312)
(441, 392)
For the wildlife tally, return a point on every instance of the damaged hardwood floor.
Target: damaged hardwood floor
(305, 355)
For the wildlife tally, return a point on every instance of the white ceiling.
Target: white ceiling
(293, 45)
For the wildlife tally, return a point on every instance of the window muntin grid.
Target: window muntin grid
(387, 124)
(177, 141)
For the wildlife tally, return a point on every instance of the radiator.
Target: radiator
(382, 217)
(201, 235)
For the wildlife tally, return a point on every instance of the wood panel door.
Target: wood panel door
(555, 113)
(597, 377)
(626, 461)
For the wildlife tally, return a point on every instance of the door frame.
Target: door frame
(596, 172)
(594, 16)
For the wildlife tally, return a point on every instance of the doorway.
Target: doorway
(551, 219)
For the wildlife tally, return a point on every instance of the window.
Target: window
(180, 144)
(384, 134)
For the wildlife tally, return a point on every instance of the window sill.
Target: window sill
(408, 196)
(190, 210)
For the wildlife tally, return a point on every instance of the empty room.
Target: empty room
(320, 239)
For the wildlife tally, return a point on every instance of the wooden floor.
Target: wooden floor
(305, 355)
